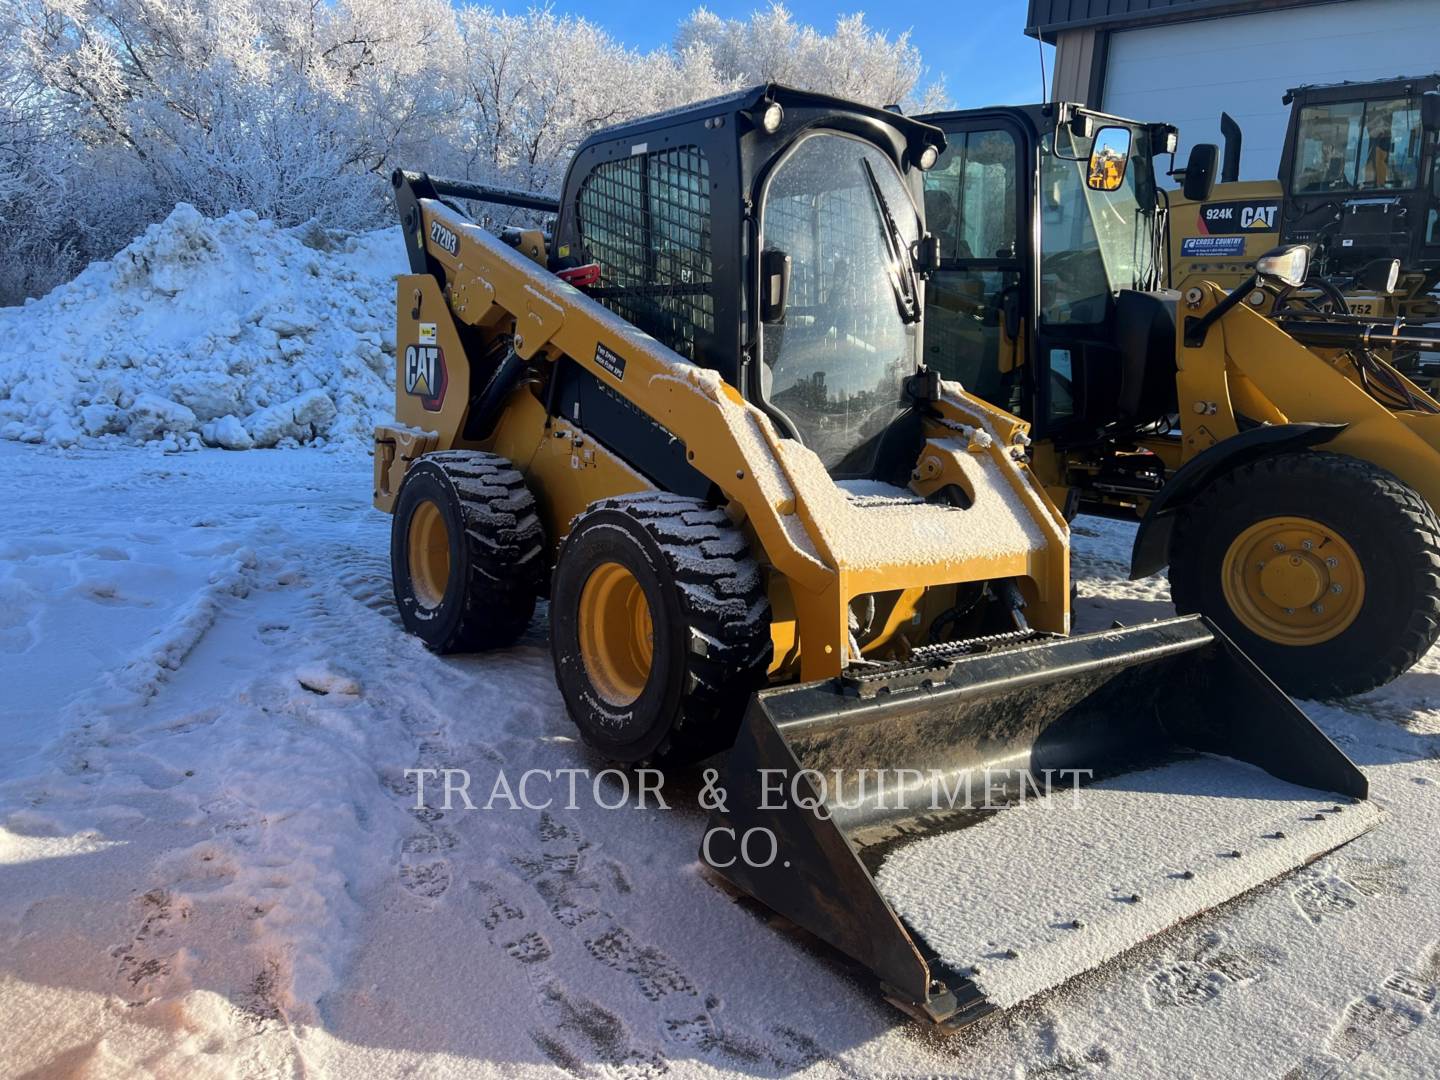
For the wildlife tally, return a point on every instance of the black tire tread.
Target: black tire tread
(506, 544)
(722, 594)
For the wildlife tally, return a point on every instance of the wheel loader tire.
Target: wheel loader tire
(659, 627)
(467, 552)
(1323, 568)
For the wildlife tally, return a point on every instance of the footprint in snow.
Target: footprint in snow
(600, 1034)
(1203, 969)
(1371, 1023)
(1058, 1056)
(144, 964)
(1321, 894)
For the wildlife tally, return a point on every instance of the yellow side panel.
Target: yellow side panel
(432, 375)
(566, 469)
(1225, 270)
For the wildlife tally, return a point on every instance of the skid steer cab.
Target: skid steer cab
(1283, 468)
(693, 412)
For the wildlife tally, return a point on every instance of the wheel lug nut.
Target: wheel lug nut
(1279, 546)
(1318, 609)
(1307, 545)
(1332, 561)
(1337, 588)
(1289, 611)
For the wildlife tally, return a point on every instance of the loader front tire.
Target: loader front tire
(467, 556)
(659, 627)
(1323, 568)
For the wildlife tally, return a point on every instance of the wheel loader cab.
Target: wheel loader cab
(1044, 299)
(1358, 172)
(811, 204)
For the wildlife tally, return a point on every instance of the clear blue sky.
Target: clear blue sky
(979, 46)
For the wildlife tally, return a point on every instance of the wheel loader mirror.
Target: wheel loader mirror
(1380, 275)
(774, 284)
(1109, 155)
(1200, 171)
(1430, 110)
(1287, 265)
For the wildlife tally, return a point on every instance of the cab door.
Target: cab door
(976, 300)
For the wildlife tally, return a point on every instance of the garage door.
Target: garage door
(1188, 73)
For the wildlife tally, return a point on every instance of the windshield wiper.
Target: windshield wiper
(901, 271)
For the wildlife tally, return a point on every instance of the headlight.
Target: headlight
(1287, 265)
(1381, 275)
(771, 117)
(928, 157)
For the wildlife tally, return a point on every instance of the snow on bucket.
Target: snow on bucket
(979, 826)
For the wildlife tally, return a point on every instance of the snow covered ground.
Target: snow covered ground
(210, 864)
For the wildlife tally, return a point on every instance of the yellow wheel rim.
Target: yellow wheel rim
(429, 548)
(1293, 581)
(617, 636)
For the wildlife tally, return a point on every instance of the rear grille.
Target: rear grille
(646, 220)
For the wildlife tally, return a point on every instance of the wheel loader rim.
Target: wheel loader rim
(1293, 581)
(428, 548)
(617, 633)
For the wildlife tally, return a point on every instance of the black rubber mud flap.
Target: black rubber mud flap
(1151, 552)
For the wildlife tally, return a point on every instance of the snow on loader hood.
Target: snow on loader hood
(227, 332)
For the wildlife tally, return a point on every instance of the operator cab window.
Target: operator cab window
(1432, 214)
(970, 205)
(1354, 146)
(646, 220)
(834, 366)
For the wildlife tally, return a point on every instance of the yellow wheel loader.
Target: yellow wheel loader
(1286, 473)
(695, 415)
(1357, 183)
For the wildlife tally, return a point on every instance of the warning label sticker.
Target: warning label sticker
(612, 362)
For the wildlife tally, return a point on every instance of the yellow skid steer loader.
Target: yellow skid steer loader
(696, 417)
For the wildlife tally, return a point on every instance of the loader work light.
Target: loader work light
(772, 116)
(928, 157)
(1381, 275)
(1287, 265)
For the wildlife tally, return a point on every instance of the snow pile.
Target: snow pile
(224, 332)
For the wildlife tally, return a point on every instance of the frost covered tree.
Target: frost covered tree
(112, 111)
(536, 84)
(853, 61)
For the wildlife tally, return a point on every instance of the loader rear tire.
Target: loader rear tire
(1323, 568)
(659, 627)
(467, 555)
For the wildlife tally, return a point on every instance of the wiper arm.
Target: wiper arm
(901, 272)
